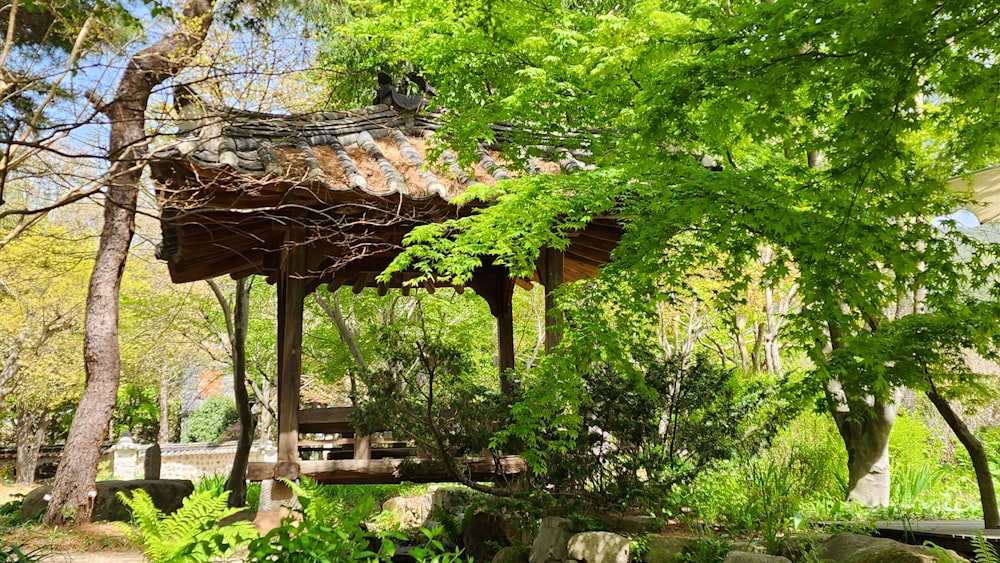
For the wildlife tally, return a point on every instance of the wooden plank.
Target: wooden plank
(330, 420)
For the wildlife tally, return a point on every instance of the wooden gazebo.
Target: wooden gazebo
(327, 198)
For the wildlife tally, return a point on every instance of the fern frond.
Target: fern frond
(984, 550)
(191, 534)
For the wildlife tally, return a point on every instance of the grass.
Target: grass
(101, 536)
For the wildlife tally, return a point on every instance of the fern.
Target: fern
(984, 550)
(191, 534)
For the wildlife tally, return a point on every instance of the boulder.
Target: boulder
(749, 557)
(599, 547)
(665, 549)
(855, 548)
(483, 535)
(406, 512)
(167, 495)
(550, 543)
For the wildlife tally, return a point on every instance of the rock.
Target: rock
(855, 548)
(599, 547)
(397, 512)
(665, 549)
(550, 543)
(167, 495)
(483, 535)
(748, 557)
(799, 547)
(511, 554)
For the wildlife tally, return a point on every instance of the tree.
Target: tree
(42, 275)
(237, 318)
(46, 44)
(833, 128)
(71, 501)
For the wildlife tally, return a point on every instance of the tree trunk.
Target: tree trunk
(987, 493)
(31, 426)
(864, 425)
(163, 403)
(236, 484)
(71, 500)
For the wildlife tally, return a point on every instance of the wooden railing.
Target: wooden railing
(350, 458)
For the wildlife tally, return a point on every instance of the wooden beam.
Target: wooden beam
(554, 273)
(330, 420)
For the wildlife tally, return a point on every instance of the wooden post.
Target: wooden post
(553, 272)
(291, 296)
(505, 333)
(494, 284)
(362, 446)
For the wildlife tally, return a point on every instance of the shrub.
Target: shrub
(645, 431)
(208, 422)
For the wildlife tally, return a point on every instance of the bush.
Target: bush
(210, 420)
(646, 431)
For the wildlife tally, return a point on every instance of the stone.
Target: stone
(551, 541)
(801, 546)
(599, 547)
(167, 495)
(748, 557)
(151, 462)
(511, 554)
(483, 535)
(856, 548)
(665, 549)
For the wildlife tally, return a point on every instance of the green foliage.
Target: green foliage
(984, 550)
(138, 412)
(18, 554)
(428, 388)
(321, 534)
(210, 420)
(775, 491)
(189, 534)
(433, 550)
(646, 430)
(706, 550)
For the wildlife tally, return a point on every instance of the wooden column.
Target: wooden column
(291, 296)
(505, 333)
(494, 284)
(552, 278)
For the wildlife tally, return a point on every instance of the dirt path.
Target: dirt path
(96, 557)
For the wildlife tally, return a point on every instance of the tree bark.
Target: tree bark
(864, 425)
(981, 464)
(71, 500)
(236, 484)
(31, 426)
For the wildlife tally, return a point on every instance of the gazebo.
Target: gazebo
(326, 198)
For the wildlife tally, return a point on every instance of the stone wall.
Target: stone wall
(182, 461)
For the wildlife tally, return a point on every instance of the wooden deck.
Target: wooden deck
(950, 534)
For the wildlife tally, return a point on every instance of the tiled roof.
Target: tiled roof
(233, 183)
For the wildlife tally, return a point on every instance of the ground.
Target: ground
(94, 537)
